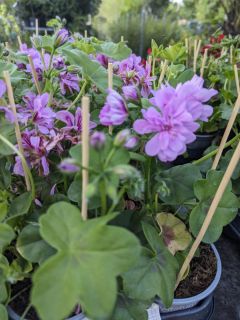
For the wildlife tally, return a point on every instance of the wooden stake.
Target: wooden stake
(162, 74)
(237, 78)
(85, 34)
(35, 77)
(19, 41)
(187, 50)
(227, 132)
(110, 86)
(85, 154)
(231, 54)
(217, 198)
(204, 60)
(17, 128)
(36, 27)
(197, 46)
(122, 38)
(150, 61)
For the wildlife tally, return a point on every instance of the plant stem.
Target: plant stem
(109, 158)
(120, 195)
(24, 163)
(103, 197)
(214, 152)
(148, 181)
(51, 59)
(25, 312)
(81, 93)
(19, 293)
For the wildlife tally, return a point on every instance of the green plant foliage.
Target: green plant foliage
(6, 235)
(88, 253)
(174, 232)
(91, 69)
(179, 180)
(130, 309)
(20, 205)
(31, 246)
(116, 51)
(3, 312)
(154, 273)
(205, 190)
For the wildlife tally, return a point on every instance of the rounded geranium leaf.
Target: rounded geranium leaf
(174, 232)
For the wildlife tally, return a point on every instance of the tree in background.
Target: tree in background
(8, 22)
(74, 11)
(215, 13)
(138, 21)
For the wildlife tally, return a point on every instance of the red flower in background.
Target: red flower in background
(149, 51)
(216, 52)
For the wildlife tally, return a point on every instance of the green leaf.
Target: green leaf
(179, 180)
(6, 130)
(174, 232)
(47, 43)
(3, 312)
(6, 66)
(224, 162)
(20, 205)
(205, 190)
(154, 273)
(116, 51)
(175, 53)
(91, 69)
(130, 309)
(90, 255)
(5, 174)
(31, 246)
(6, 235)
(183, 77)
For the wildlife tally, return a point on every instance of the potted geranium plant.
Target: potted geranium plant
(142, 215)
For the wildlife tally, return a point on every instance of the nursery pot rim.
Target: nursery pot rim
(207, 292)
(15, 316)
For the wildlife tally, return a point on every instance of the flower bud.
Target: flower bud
(130, 92)
(98, 140)
(61, 37)
(68, 166)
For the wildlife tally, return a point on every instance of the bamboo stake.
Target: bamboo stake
(204, 60)
(36, 27)
(227, 132)
(237, 78)
(19, 41)
(197, 46)
(150, 61)
(162, 74)
(122, 38)
(187, 50)
(35, 77)
(231, 54)
(110, 86)
(17, 128)
(85, 155)
(217, 198)
(85, 34)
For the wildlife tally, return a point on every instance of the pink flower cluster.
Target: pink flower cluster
(173, 116)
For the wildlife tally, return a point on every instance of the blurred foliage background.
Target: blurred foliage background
(138, 21)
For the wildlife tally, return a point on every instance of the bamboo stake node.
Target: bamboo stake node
(85, 154)
(35, 77)
(227, 132)
(17, 127)
(217, 198)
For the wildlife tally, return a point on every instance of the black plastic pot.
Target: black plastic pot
(203, 311)
(233, 229)
(196, 149)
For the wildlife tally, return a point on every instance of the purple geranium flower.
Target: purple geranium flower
(133, 72)
(195, 95)
(58, 62)
(130, 92)
(68, 82)
(3, 88)
(73, 124)
(114, 112)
